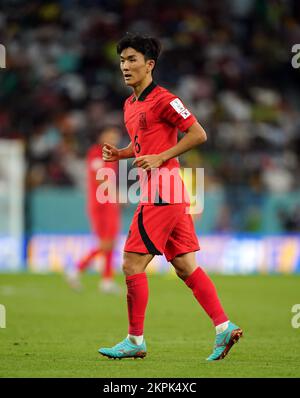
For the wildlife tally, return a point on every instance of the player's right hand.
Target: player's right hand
(110, 153)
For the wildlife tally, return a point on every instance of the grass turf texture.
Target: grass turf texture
(53, 332)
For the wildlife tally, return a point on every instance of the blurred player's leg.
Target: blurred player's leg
(105, 223)
(107, 227)
(108, 271)
(107, 283)
(85, 261)
(73, 276)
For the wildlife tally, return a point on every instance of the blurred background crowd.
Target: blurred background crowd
(229, 61)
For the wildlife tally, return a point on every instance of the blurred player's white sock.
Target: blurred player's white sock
(109, 286)
(137, 340)
(73, 279)
(222, 327)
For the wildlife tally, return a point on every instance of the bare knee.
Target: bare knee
(128, 266)
(134, 263)
(183, 273)
(184, 265)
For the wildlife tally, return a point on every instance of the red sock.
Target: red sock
(206, 295)
(137, 299)
(108, 271)
(85, 262)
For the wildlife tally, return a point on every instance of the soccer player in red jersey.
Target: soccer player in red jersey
(104, 218)
(160, 225)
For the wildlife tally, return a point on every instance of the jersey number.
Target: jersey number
(137, 146)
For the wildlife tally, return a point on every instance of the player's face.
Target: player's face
(134, 66)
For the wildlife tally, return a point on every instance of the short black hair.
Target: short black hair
(150, 47)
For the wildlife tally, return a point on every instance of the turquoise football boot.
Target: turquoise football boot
(125, 349)
(224, 341)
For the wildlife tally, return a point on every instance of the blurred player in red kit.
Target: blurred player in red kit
(161, 225)
(104, 218)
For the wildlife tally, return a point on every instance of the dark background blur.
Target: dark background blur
(229, 61)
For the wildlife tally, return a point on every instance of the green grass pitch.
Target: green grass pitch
(53, 332)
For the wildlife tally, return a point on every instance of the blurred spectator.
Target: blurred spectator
(290, 219)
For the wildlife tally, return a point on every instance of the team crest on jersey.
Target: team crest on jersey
(180, 108)
(142, 121)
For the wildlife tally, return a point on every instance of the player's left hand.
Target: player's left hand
(148, 162)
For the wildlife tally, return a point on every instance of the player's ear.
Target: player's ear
(150, 65)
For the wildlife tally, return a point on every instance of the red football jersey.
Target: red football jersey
(152, 123)
(94, 163)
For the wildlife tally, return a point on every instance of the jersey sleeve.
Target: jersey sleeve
(172, 110)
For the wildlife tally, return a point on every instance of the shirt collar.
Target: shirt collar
(145, 92)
